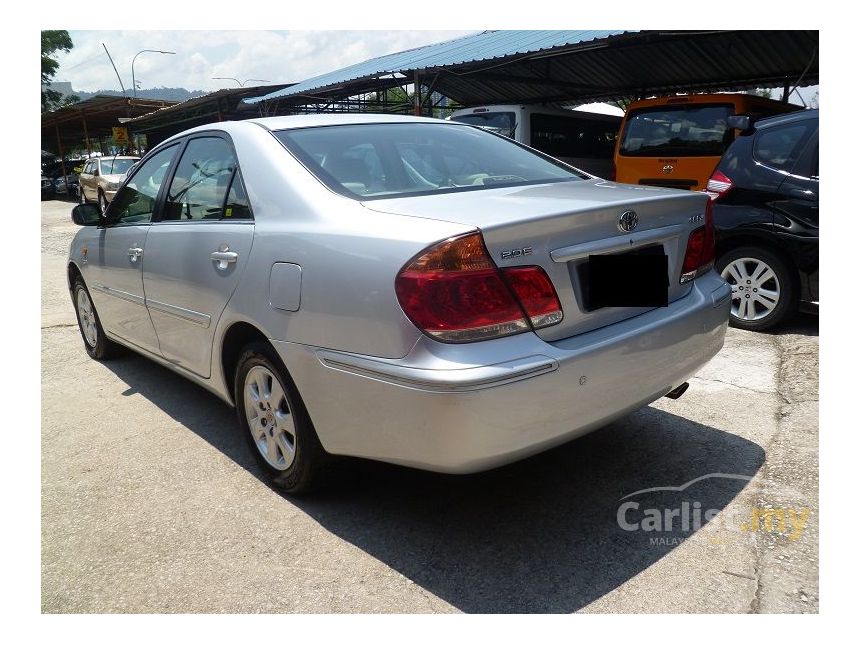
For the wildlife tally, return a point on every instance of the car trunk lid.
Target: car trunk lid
(558, 225)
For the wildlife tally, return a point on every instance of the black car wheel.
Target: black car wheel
(763, 292)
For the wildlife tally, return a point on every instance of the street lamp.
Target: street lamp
(241, 84)
(154, 51)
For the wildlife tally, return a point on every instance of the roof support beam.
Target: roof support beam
(531, 80)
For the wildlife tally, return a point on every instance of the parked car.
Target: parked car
(765, 192)
(403, 289)
(66, 185)
(677, 141)
(585, 140)
(47, 188)
(101, 178)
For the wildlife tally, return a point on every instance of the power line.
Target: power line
(84, 62)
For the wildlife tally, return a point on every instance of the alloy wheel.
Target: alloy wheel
(87, 316)
(269, 417)
(755, 288)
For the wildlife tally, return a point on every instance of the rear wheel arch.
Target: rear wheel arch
(238, 336)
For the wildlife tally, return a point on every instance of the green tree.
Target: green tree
(622, 103)
(396, 99)
(53, 41)
(761, 92)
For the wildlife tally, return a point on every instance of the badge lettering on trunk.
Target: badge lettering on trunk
(517, 253)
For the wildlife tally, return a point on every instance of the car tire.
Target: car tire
(97, 344)
(102, 202)
(275, 422)
(763, 291)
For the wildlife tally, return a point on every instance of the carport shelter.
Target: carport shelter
(91, 122)
(571, 67)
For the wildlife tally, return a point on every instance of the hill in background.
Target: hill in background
(157, 93)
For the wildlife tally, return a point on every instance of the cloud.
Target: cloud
(277, 56)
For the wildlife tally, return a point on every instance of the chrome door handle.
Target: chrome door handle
(134, 253)
(224, 256)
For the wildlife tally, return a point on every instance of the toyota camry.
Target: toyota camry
(403, 289)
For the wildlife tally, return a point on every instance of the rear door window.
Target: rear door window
(203, 176)
(237, 206)
(780, 147)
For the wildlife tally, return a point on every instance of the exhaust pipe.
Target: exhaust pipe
(678, 391)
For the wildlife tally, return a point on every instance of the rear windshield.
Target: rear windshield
(678, 131)
(379, 160)
(503, 123)
(116, 166)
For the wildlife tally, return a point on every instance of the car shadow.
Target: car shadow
(803, 324)
(541, 535)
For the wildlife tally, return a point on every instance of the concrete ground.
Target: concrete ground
(151, 502)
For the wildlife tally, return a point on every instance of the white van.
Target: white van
(585, 140)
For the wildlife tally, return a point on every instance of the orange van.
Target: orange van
(676, 141)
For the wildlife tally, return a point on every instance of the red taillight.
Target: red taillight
(709, 252)
(454, 292)
(699, 257)
(532, 287)
(718, 185)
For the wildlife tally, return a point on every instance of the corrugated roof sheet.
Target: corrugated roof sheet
(579, 66)
(483, 46)
(229, 92)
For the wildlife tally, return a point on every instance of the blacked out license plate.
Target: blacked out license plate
(628, 280)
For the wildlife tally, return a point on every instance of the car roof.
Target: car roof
(792, 117)
(310, 120)
(275, 123)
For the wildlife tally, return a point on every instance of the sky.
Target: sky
(275, 56)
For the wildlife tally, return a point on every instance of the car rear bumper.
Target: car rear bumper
(467, 408)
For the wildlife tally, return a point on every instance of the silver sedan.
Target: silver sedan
(403, 289)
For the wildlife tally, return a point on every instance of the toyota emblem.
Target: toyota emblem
(628, 221)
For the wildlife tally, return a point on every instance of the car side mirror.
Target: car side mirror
(87, 215)
(740, 122)
(95, 172)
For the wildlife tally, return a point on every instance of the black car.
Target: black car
(47, 188)
(765, 207)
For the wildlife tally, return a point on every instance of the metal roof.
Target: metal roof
(223, 100)
(220, 105)
(578, 66)
(485, 45)
(91, 119)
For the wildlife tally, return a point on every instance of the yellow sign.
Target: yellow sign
(120, 136)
